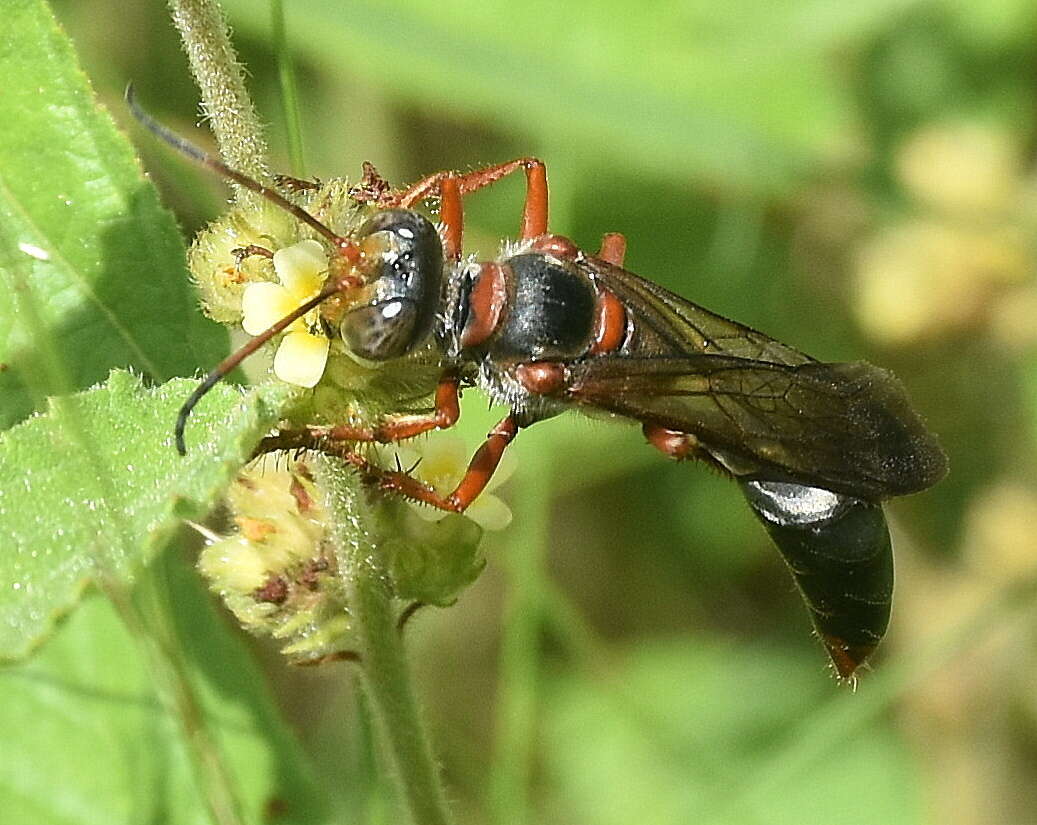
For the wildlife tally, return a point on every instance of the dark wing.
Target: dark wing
(761, 409)
(844, 427)
(666, 324)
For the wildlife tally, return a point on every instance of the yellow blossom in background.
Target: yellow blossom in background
(302, 353)
(946, 268)
(441, 463)
(969, 169)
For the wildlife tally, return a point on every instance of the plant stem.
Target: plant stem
(385, 669)
(522, 625)
(221, 81)
(289, 90)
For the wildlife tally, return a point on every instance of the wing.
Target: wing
(760, 408)
(844, 427)
(665, 324)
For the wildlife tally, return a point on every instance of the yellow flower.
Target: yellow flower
(442, 461)
(302, 354)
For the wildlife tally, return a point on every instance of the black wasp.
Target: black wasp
(546, 327)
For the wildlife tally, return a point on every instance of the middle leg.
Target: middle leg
(480, 470)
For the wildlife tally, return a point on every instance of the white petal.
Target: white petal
(264, 304)
(301, 358)
(301, 268)
(489, 512)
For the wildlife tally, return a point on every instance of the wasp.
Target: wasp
(548, 327)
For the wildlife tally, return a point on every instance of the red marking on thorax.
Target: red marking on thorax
(610, 323)
(485, 304)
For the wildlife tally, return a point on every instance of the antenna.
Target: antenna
(239, 355)
(347, 248)
(348, 251)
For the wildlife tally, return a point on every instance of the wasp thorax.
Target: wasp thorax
(403, 264)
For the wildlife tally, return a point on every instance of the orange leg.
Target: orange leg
(476, 477)
(680, 446)
(675, 444)
(335, 441)
(613, 248)
(398, 428)
(450, 187)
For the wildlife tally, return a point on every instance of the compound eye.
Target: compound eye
(380, 331)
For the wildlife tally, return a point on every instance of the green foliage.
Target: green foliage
(666, 87)
(88, 741)
(82, 234)
(430, 562)
(94, 489)
(674, 735)
(750, 152)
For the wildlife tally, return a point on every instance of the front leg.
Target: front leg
(338, 440)
(400, 427)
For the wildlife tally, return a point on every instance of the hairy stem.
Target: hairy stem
(221, 81)
(169, 671)
(385, 670)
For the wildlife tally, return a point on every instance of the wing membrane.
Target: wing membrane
(845, 427)
(666, 324)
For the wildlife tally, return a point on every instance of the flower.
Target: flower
(442, 461)
(303, 353)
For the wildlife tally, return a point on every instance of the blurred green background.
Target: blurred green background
(855, 179)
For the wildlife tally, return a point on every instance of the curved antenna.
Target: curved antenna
(345, 247)
(239, 355)
(342, 280)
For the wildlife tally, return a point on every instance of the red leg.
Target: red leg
(672, 443)
(400, 427)
(372, 187)
(451, 213)
(680, 446)
(534, 210)
(613, 248)
(451, 187)
(451, 210)
(480, 470)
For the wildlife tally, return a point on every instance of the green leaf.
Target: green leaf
(100, 255)
(430, 562)
(738, 92)
(86, 740)
(95, 486)
(679, 729)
